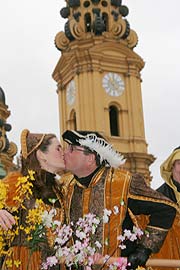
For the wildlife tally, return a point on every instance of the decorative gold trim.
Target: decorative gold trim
(133, 218)
(62, 209)
(172, 204)
(24, 134)
(157, 228)
(36, 146)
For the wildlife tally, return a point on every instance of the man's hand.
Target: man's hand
(139, 257)
(6, 220)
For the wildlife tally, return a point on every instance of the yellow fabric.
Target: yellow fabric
(166, 172)
(171, 246)
(10, 180)
(116, 193)
(29, 261)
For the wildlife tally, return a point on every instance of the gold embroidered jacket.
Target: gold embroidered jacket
(114, 187)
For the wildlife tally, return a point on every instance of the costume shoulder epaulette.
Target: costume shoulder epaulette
(140, 190)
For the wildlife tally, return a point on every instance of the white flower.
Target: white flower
(52, 261)
(122, 246)
(133, 237)
(121, 238)
(116, 209)
(127, 233)
(80, 235)
(59, 252)
(57, 223)
(106, 215)
(47, 217)
(98, 244)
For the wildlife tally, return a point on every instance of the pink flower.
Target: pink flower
(85, 247)
(52, 261)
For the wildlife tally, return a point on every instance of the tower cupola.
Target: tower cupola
(88, 18)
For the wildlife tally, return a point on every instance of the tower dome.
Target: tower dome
(2, 96)
(88, 18)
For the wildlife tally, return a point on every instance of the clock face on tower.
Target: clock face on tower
(71, 93)
(113, 84)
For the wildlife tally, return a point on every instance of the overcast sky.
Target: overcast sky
(28, 57)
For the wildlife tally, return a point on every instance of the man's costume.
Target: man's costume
(108, 187)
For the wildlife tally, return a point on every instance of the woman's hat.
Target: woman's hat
(30, 142)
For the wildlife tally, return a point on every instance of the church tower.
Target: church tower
(7, 149)
(98, 77)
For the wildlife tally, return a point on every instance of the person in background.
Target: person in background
(97, 183)
(42, 154)
(170, 172)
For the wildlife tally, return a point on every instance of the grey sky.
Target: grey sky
(28, 57)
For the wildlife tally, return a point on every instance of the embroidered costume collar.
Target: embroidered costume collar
(85, 181)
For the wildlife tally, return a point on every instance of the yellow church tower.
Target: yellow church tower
(98, 77)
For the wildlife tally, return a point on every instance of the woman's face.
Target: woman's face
(53, 157)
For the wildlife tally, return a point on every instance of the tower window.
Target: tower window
(113, 117)
(86, 4)
(88, 22)
(104, 3)
(105, 19)
(73, 122)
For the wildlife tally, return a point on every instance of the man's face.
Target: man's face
(75, 159)
(176, 166)
(176, 170)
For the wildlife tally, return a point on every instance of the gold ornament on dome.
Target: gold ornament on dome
(61, 41)
(132, 39)
(12, 150)
(118, 29)
(2, 143)
(76, 29)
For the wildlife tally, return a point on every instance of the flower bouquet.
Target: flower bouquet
(75, 244)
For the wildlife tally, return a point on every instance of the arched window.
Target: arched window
(105, 19)
(87, 20)
(73, 124)
(114, 121)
